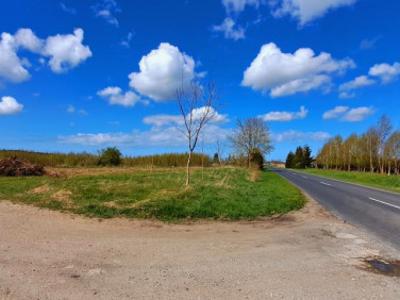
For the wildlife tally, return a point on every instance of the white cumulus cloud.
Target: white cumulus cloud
(286, 74)
(230, 30)
(162, 72)
(10, 106)
(345, 113)
(66, 51)
(306, 10)
(284, 116)
(197, 113)
(358, 82)
(116, 96)
(385, 72)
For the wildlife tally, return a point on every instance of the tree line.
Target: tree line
(300, 159)
(376, 150)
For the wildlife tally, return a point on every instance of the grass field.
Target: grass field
(216, 193)
(390, 183)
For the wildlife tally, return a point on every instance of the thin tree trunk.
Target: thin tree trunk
(188, 168)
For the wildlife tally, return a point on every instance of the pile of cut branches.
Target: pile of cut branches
(16, 167)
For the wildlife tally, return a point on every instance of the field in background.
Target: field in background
(215, 193)
(391, 183)
(91, 160)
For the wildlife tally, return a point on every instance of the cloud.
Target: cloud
(306, 10)
(163, 72)
(228, 29)
(344, 113)
(106, 9)
(284, 116)
(357, 114)
(69, 10)
(115, 96)
(237, 6)
(126, 42)
(71, 109)
(163, 119)
(27, 39)
(299, 136)
(286, 74)
(170, 136)
(335, 112)
(156, 136)
(356, 83)
(11, 66)
(367, 44)
(66, 51)
(197, 113)
(387, 73)
(9, 106)
(165, 130)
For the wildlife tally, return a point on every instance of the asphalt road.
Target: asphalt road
(376, 211)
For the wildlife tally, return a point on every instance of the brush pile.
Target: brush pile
(16, 167)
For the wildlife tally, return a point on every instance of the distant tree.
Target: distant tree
(257, 159)
(392, 152)
(196, 108)
(216, 158)
(307, 157)
(383, 130)
(251, 135)
(290, 160)
(110, 156)
(298, 158)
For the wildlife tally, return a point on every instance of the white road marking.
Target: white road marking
(383, 202)
(325, 183)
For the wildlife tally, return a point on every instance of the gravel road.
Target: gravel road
(304, 255)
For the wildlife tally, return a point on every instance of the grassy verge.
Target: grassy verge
(390, 183)
(216, 193)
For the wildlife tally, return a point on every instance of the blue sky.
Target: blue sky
(82, 75)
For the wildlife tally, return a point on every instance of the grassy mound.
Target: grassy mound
(215, 193)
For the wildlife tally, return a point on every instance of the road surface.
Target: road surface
(376, 211)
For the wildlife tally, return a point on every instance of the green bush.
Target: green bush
(110, 156)
(257, 159)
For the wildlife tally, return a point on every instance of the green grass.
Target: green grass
(218, 193)
(390, 183)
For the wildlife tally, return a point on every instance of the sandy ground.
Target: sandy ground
(304, 255)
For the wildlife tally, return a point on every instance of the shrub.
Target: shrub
(110, 157)
(257, 159)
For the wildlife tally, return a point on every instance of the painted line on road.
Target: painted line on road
(328, 184)
(383, 202)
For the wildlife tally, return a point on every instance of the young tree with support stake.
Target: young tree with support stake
(196, 108)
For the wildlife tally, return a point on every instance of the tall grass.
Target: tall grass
(90, 160)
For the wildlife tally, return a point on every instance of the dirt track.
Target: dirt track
(305, 255)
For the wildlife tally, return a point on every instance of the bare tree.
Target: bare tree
(251, 135)
(196, 108)
(383, 130)
(219, 151)
(392, 152)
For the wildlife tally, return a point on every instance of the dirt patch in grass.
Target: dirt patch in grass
(43, 189)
